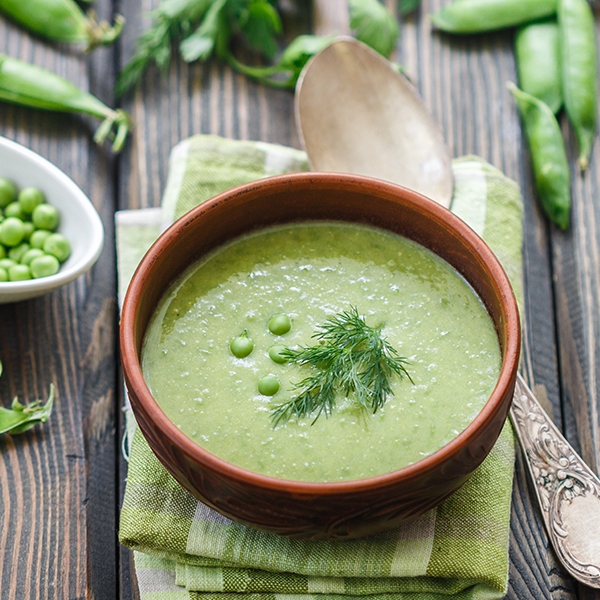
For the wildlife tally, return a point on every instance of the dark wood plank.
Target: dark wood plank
(58, 507)
(576, 269)
(462, 80)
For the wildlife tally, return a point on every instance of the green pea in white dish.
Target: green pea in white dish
(304, 274)
(79, 220)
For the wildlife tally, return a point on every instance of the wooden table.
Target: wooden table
(61, 484)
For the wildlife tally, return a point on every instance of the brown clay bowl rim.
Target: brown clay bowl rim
(135, 379)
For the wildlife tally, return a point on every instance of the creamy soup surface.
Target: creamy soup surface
(311, 272)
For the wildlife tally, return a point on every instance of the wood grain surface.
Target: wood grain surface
(60, 485)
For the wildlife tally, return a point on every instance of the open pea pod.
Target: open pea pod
(19, 418)
(62, 21)
(30, 85)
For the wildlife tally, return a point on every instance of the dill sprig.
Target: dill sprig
(350, 357)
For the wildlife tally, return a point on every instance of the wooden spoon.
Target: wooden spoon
(357, 114)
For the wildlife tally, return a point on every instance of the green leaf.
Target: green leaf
(20, 418)
(260, 26)
(175, 9)
(200, 45)
(284, 74)
(373, 25)
(407, 6)
(301, 50)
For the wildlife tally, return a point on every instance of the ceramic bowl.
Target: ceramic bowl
(79, 221)
(319, 510)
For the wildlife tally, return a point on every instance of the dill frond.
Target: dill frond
(350, 357)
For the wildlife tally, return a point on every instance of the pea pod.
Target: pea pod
(61, 21)
(537, 51)
(19, 418)
(579, 71)
(548, 156)
(476, 16)
(30, 85)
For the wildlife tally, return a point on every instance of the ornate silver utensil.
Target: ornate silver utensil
(567, 489)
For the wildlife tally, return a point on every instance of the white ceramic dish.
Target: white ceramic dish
(80, 222)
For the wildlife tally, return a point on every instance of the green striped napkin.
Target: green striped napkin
(184, 550)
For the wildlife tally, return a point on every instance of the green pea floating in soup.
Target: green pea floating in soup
(275, 354)
(241, 346)
(280, 324)
(268, 386)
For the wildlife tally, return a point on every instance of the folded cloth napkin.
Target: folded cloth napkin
(184, 550)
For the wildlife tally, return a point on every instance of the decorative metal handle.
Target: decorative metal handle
(567, 489)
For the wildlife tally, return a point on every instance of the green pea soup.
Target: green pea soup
(310, 272)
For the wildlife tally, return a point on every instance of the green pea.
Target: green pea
(45, 216)
(2, 251)
(579, 63)
(44, 266)
(12, 232)
(19, 273)
(280, 324)
(548, 156)
(476, 16)
(275, 354)
(8, 192)
(242, 345)
(29, 198)
(3, 275)
(38, 237)
(7, 263)
(17, 252)
(30, 255)
(29, 229)
(14, 210)
(57, 245)
(537, 50)
(268, 386)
